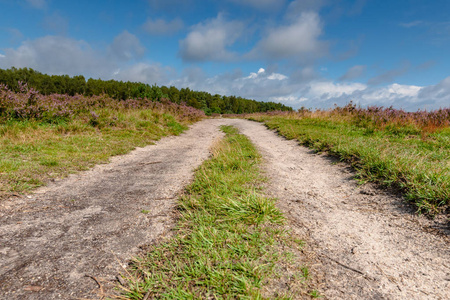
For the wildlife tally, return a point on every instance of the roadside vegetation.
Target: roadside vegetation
(47, 137)
(406, 150)
(229, 243)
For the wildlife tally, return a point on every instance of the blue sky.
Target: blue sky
(311, 53)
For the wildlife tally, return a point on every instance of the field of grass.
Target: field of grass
(229, 242)
(48, 137)
(409, 151)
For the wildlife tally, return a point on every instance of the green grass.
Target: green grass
(33, 152)
(417, 163)
(230, 242)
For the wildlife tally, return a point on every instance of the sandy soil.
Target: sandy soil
(365, 243)
(54, 242)
(67, 238)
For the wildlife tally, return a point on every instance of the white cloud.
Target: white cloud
(146, 73)
(260, 85)
(354, 72)
(55, 55)
(328, 89)
(210, 41)
(312, 92)
(396, 95)
(406, 90)
(62, 55)
(39, 4)
(299, 40)
(2, 56)
(262, 75)
(162, 27)
(125, 47)
(439, 94)
(277, 76)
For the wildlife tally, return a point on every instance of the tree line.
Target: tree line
(119, 90)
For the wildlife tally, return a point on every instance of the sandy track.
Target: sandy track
(87, 223)
(364, 244)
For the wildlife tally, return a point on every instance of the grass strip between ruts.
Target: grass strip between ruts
(230, 242)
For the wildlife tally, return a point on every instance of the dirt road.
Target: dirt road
(364, 244)
(90, 223)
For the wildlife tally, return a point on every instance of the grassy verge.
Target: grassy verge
(33, 152)
(230, 242)
(415, 161)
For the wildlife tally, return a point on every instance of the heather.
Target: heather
(409, 151)
(29, 104)
(47, 137)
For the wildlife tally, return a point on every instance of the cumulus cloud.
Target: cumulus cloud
(163, 27)
(55, 55)
(125, 47)
(39, 4)
(261, 85)
(328, 89)
(408, 97)
(209, 41)
(62, 55)
(261, 74)
(439, 94)
(325, 95)
(313, 92)
(354, 72)
(146, 73)
(298, 40)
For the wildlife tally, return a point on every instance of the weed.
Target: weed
(315, 294)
